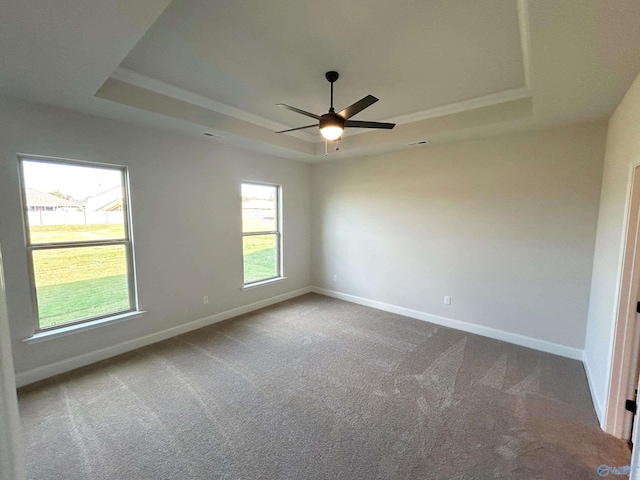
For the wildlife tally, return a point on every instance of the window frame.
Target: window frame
(278, 234)
(127, 242)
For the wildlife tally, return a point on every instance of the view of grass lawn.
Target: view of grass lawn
(72, 301)
(260, 252)
(259, 257)
(77, 283)
(67, 265)
(73, 233)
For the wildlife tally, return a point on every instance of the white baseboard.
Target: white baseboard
(66, 365)
(594, 397)
(530, 342)
(46, 371)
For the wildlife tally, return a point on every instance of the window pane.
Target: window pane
(70, 203)
(260, 257)
(259, 208)
(80, 282)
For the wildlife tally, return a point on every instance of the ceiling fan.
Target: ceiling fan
(332, 124)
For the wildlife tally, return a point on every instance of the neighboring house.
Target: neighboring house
(38, 200)
(108, 201)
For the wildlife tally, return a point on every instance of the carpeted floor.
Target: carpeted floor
(316, 388)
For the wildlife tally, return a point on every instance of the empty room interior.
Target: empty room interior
(319, 239)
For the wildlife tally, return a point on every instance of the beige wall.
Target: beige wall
(504, 225)
(622, 154)
(185, 198)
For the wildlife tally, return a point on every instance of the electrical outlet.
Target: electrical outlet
(447, 300)
(205, 299)
(335, 278)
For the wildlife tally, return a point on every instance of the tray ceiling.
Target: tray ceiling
(444, 70)
(414, 56)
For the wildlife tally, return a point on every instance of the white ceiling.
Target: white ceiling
(253, 54)
(444, 70)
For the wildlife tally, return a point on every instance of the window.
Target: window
(78, 240)
(261, 237)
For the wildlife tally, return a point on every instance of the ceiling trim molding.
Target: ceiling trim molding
(452, 108)
(158, 86)
(525, 40)
(143, 81)
(478, 102)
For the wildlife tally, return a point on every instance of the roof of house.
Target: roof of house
(38, 198)
(110, 199)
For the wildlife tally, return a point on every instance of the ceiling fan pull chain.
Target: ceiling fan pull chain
(326, 147)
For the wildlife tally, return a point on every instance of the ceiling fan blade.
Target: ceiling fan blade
(357, 107)
(298, 128)
(297, 110)
(359, 124)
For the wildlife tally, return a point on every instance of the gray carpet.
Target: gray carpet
(316, 388)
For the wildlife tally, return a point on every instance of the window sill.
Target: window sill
(80, 327)
(262, 283)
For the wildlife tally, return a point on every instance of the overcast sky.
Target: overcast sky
(76, 181)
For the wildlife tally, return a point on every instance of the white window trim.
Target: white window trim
(63, 329)
(262, 283)
(69, 329)
(278, 233)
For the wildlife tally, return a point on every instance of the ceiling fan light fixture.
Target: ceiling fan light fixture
(331, 132)
(331, 125)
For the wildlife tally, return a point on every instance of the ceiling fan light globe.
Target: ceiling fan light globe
(331, 132)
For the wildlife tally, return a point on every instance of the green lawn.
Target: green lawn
(68, 302)
(259, 258)
(75, 233)
(68, 265)
(77, 283)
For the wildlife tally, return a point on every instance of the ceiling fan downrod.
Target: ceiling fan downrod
(332, 77)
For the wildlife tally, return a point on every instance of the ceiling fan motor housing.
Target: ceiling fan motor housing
(331, 120)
